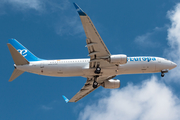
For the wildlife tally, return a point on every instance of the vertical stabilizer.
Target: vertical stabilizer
(23, 51)
(15, 74)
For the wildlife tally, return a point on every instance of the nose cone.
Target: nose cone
(173, 65)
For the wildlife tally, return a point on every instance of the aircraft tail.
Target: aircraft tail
(15, 74)
(20, 55)
(17, 57)
(24, 52)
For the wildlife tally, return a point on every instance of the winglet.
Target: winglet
(66, 100)
(79, 10)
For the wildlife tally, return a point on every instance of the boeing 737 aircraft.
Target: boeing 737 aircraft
(99, 69)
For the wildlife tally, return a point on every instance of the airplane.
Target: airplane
(99, 69)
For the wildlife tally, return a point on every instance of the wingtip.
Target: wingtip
(75, 5)
(79, 10)
(65, 99)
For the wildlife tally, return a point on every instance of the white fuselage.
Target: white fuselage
(80, 67)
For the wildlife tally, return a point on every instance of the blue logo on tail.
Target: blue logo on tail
(23, 51)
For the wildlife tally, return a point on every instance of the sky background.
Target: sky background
(52, 29)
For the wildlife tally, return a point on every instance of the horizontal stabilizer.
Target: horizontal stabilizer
(15, 74)
(66, 100)
(17, 57)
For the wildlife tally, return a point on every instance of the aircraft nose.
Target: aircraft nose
(173, 64)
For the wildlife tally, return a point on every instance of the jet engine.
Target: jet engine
(111, 84)
(118, 59)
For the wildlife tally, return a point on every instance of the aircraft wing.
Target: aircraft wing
(96, 47)
(98, 53)
(87, 88)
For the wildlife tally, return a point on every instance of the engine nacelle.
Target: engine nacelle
(111, 84)
(119, 59)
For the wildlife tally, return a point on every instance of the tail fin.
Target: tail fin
(23, 51)
(20, 55)
(18, 60)
(15, 74)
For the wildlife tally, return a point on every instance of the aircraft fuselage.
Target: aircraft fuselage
(80, 67)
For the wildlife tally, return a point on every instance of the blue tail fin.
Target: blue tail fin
(23, 51)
